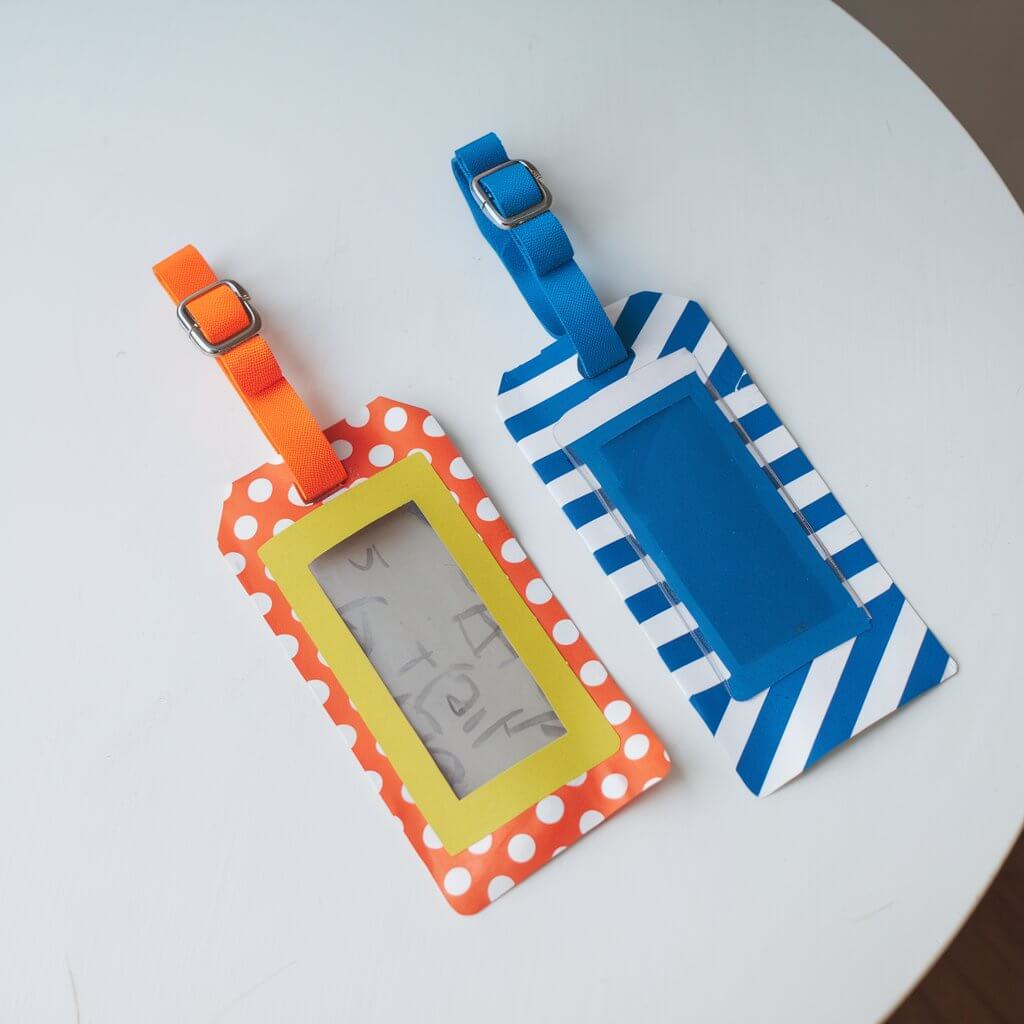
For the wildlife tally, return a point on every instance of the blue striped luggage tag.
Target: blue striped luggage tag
(728, 548)
(887, 655)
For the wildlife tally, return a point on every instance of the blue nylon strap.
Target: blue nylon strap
(538, 255)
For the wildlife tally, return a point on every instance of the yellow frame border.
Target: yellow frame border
(589, 737)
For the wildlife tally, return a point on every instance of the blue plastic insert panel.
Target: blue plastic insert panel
(728, 545)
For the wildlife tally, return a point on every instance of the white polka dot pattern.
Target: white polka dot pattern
(566, 632)
(550, 810)
(636, 747)
(512, 552)
(396, 418)
(260, 489)
(521, 847)
(245, 527)
(457, 881)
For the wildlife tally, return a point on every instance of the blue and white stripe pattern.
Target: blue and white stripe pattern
(782, 731)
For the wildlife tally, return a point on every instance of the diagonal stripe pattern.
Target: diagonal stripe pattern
(775, 736)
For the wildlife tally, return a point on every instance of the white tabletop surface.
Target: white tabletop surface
(186, 838)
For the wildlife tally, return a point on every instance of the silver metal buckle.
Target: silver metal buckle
(491, 211)
(195, 332)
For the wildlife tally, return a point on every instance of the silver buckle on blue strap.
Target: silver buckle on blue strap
(491, 211)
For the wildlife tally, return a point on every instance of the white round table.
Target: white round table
(186, 837)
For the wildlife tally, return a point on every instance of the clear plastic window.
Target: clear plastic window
(449, 666)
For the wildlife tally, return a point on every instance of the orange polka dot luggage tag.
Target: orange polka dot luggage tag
(482, 716)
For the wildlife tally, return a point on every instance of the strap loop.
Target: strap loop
(510, 205)
(221, 321)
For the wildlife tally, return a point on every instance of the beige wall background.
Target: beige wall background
(971, 54)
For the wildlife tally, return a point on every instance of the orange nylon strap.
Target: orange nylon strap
(251, 367)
